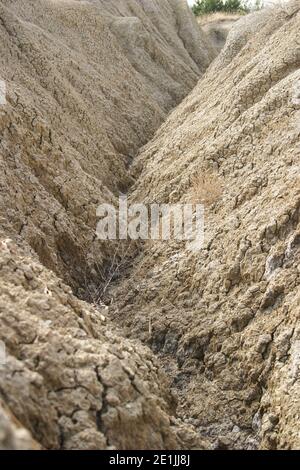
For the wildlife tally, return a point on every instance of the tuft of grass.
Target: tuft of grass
(206, 188)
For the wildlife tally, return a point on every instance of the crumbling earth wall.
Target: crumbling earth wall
(225, 320)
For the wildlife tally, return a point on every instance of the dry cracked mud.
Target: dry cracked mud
(90, 89)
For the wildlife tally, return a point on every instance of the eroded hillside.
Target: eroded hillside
(88, 84)
(225, 320)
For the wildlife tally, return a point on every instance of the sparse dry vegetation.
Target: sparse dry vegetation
(218, 17)
(207, 188)
(187, 340)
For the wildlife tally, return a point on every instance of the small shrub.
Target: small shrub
(207, 188)
(258, 5)
(203, 7)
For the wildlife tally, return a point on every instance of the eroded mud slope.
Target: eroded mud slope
(70, 380)
(87, 84)
(225, 320)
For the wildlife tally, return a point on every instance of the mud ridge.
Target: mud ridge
(90, 89)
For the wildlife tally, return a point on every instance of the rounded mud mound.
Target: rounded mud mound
(87, 84)
(224, 320)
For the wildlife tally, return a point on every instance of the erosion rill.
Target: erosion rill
(88, 84)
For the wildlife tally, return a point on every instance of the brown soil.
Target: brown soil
(89, 84)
